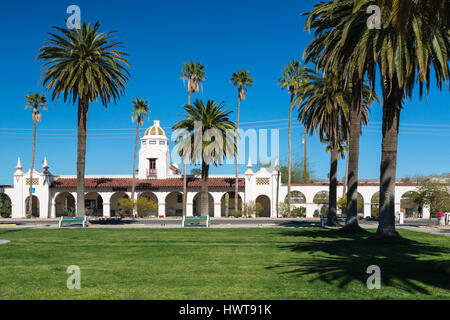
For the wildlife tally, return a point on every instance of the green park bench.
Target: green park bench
(324, 220)
(66, 222)
(200, 221)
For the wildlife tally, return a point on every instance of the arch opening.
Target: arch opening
(174, 204)
(5, 205)
(65, 204)
(197, 204)
(409, 206)
(116, 209)
(226, 209)
(375, 205)
(265, 203)
(35, 208)
(297, 197)
(93, 204)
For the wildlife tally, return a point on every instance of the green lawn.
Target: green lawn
(220, 264)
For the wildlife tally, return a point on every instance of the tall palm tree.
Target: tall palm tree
(324, 107)
(212, 123)
(83, 64)
(240, 79)
(139, 113)
(294, 77)
(36, 102)
(194, 74)
(332, 54)
(397, 51)
(342, 149)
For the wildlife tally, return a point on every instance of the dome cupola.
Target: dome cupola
(155, 130)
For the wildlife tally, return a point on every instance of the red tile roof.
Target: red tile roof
(151, 183)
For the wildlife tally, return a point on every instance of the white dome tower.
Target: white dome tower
(154, 154)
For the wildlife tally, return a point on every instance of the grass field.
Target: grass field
(220, 264)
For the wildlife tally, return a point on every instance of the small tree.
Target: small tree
(299, 212)
(126, 206)
(5, 206)
(433, 194)
(298, 174)
(253, 208)
(146, 207)
(227, 204)
(283, 209)
(342, 204)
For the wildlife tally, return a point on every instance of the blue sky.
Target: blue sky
(261, 36)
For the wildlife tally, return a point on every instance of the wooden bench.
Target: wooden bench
(199, 221)
(66, 222)
(323, 220)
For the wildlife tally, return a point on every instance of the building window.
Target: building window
(152, 163)
(143, 143)
(180, 198)
(152, 142)
(162, 142)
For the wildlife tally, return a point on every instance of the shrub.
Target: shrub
(125, 207)
(283, 209)
(253, 208)
(70, 212)
(299, 212)
(342, 204)
(237, 213)
(375, 212)
(146, 207)
(5, 206)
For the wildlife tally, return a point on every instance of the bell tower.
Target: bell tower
(154, 154)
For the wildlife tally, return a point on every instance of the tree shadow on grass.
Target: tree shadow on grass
(344, 257)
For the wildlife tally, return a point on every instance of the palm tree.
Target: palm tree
(330, 21)
(212, 123)
(399, 51)
(342, 149)
(240, 79)
(324, 107)
(83, 64)
(294, 77)
(36, 102)
(139, 112)
(194, 74)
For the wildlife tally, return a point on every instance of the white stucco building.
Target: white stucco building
(157, 179)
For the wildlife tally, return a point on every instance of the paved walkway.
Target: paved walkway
(433, 230)
(420, 225)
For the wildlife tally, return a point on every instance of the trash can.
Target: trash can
(441, 218)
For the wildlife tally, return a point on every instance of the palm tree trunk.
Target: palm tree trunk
(204, 196)
(391, 118)
(185, 175)
(331, 219)
(353, 157)
(30, 198)
(305, 173)
(133, 184)
(83, 106)
(344, 187)
(291, 106)
(236, 187)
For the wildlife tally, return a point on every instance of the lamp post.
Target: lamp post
(304, 157)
